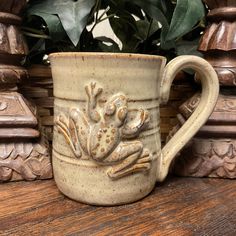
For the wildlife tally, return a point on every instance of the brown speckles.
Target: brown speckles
(94, 153)
(101, 137)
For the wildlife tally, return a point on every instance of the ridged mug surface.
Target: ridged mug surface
(106, 134)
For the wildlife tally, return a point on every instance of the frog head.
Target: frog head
(115, 110)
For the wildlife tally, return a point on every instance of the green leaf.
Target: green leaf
(72, 14)
(106, 40)
(124, 27)
(146, 28)
(186, 15)
(134, 9)
(103, 44)
(167, 7)
(154, 9)
(184, 47)
(53, 23)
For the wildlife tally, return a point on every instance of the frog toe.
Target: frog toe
(138, 167)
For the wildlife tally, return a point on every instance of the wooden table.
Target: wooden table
(179, 206)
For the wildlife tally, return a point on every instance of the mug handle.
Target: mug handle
(210, 92)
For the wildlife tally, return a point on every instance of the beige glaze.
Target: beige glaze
(106, 145)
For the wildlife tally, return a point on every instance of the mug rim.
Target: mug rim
(107, 55)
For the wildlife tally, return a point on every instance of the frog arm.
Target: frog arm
(69, 135)
(121, 116)
(81, 128)
(92, 94)
(134, 127)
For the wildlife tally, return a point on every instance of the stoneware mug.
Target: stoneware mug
(106, 144)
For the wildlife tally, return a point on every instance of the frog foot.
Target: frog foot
(92, 92)
(134, 127)
(67, 129)
(128, 166)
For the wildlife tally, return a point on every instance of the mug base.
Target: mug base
(88, 183)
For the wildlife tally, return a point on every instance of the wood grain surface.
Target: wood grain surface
(179, 206)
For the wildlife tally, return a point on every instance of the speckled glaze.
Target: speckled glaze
(106, 145)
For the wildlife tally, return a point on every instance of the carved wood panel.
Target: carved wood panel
(23, 154)
(212, 151)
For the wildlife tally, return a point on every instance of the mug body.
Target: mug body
(106, 125)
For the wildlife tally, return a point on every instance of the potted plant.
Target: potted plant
(155, 26)
(163, 27)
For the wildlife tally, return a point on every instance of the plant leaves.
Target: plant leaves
(186, 15)
(134, 9)
(154, 9)
(124, 27)
(184, 47)
(102, 44)
(72, 14)
(53, 23)
(146, 28)
(167, 7)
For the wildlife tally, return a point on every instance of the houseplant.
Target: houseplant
(162, 27)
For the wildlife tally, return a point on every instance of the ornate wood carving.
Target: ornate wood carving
(12, 45)
(224, 112)
(24, 161)
(218, 42)
(14, 112)
(212, 151)
(12, 6)
(206, 157)
(23, 154)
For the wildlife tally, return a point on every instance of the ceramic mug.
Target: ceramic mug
(106, 144)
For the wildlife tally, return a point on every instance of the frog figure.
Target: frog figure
(103, 134)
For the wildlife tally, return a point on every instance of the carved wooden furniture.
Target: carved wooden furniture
(39, 89)
(23, 151)
(182, 88)
(213, 150)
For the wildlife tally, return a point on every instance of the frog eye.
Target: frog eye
(110, 109)
(74, 114)
(122, 113)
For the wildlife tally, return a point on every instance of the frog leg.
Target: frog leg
(92, 93)
(80, 126)
(66, 130)
(134, 127)
(133, 159)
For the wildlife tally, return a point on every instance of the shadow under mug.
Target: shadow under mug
(106, 144)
